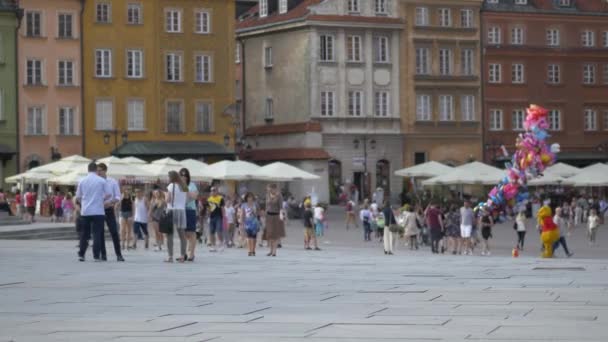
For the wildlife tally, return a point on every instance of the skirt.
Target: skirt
(275, 228)
(179, 218)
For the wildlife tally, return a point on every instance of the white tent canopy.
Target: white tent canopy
(232, 170)
(594, 175)
(117, 168)
(425, 170)
(468, 174)
(63, 165)
(160, 168)
(198, 169)
(134, 160)
(281, 172)
(562, 170)
(549, 179)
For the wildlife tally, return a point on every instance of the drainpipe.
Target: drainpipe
(19, 15)
(243, 88)
(482, 69)
(82, 116)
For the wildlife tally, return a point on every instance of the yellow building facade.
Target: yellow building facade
(158, 75)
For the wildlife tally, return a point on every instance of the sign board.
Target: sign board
(358, 162)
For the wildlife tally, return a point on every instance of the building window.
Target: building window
(605, 38)
(353, 48)
(553, 37)
(381, 103)
(34, 72)
(445, 17)
(564, 3)
(33, 22)
(204, 68)
(66, 73)
(517, 36)
(521, 2)
(282, 6)
(606, 120)
(419, 158)
(355, 103)
(237, 53)
(446, 60)
(328, 101)
(590, 120)
(605, 74)
(263, 8)
(518, 119)
(134, 16)
(553, 74)
(269, 110)
(381, 49)
(588, 73)
(326, 53)
(173, 67)
(467, 62)
(175, 120)
(466, 18)
(423, 108)
(136, 117)
(66, 121)
(423, 61)
(202, 22)
(103, 63)
(381, 6)
(173, 21)
(104, 116)
(204, 117)
(422, 16)
(268, 57)
(65, 29)
(103, 12)
(467, 107)
(495, 74)
(518, 73)
(135, 63)
(588, 38)
(353, 6)
(36, 121)
(446, 108)
(555, 120)
(496, 120)
(494, 36)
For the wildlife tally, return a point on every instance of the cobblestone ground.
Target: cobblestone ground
(350, 291)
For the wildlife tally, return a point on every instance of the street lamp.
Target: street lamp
(124, 136)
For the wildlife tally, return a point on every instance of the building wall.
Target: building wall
(49, 95)
(8, 90)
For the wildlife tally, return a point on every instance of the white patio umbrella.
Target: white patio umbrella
(71, 178)
(425, 170)
(281, 172)
(468, 174)
(160, 168)
(562, 170)
(198, 169)
(594, 175)
(63, 165)
(134, 161)
(549, 179)
(232, 170)
(29, 176)
(117, 169)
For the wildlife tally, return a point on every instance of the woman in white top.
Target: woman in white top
(140, 220)
(520, 222)
(593, 223)
(177, 193)
(409, 221)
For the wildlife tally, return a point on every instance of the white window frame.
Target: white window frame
(36, 120)
(355, 103)
(134, 13)
(174, 62)
(517, 35)
(422, 16)
(136, 114)
(354, 6)
(605, 39)
(553, 37)
(103, 59)
(590, 117)
(381, 7)
(35, 32)
(564, 3)
(202, 62)
(423, 61)
(66, 24)
(424, 107)
(554, 119)
(495, 73)
(68, 114)
(518, 116)
(446, 108)
(382, 103)
(467, 18)
(446, 62)
(263, 8)
(173, 20)
(588, 38)
(521, 2)
(382, 49)
(554, 74)
(67, 74)
(467, 61)
(589, 71)
(202, 21)
(327, 48)
(268, 63)
(494, 35)
(135, 63)
(445, 17)
(328, 103)
(495, 121)
(467, 108)
(99, 16)
(36, 76)
(354, 48)
(181, 114)
(283, 6)
(104, 121)
(202, 108)
(518, 73)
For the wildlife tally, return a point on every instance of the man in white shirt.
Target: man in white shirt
(91, 193)
(110, 216)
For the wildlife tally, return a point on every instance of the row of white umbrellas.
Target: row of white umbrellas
(479, 173)
(69, 170)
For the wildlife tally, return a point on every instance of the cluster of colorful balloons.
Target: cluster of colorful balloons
(532, 156)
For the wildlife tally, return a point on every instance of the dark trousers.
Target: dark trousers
(91, 225)
(521, 236)
(367, 231)
(561, 241)
(113, 228)
(435, 238)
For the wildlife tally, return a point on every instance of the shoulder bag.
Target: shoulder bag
(165, 224)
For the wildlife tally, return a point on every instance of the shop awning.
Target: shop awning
(173, 149)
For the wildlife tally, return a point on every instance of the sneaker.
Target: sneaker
(81, 258)
(570, 254)
(317, 249)
(120, 258)
(212, 250)
(488, 253)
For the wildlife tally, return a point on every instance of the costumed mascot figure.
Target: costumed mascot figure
(549, 232)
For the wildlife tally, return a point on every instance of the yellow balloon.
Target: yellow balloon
(545, 158)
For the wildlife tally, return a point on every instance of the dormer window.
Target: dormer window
(564, 3)
(263, 8)
(282, 6)
(521, 2)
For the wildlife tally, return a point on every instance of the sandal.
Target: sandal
(169, 260)
(180, 259)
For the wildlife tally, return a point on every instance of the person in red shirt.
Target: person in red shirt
(30, 204)
(58, 210)
(435, 224)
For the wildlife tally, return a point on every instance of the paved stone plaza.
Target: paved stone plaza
(350, 291)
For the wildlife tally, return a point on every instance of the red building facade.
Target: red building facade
(553, 53)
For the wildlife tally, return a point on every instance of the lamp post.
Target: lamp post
(124, 136)
(372, 145)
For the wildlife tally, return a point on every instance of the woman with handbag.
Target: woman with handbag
(392, 228)
(157, 209)
(177, 194)
(249, 220)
